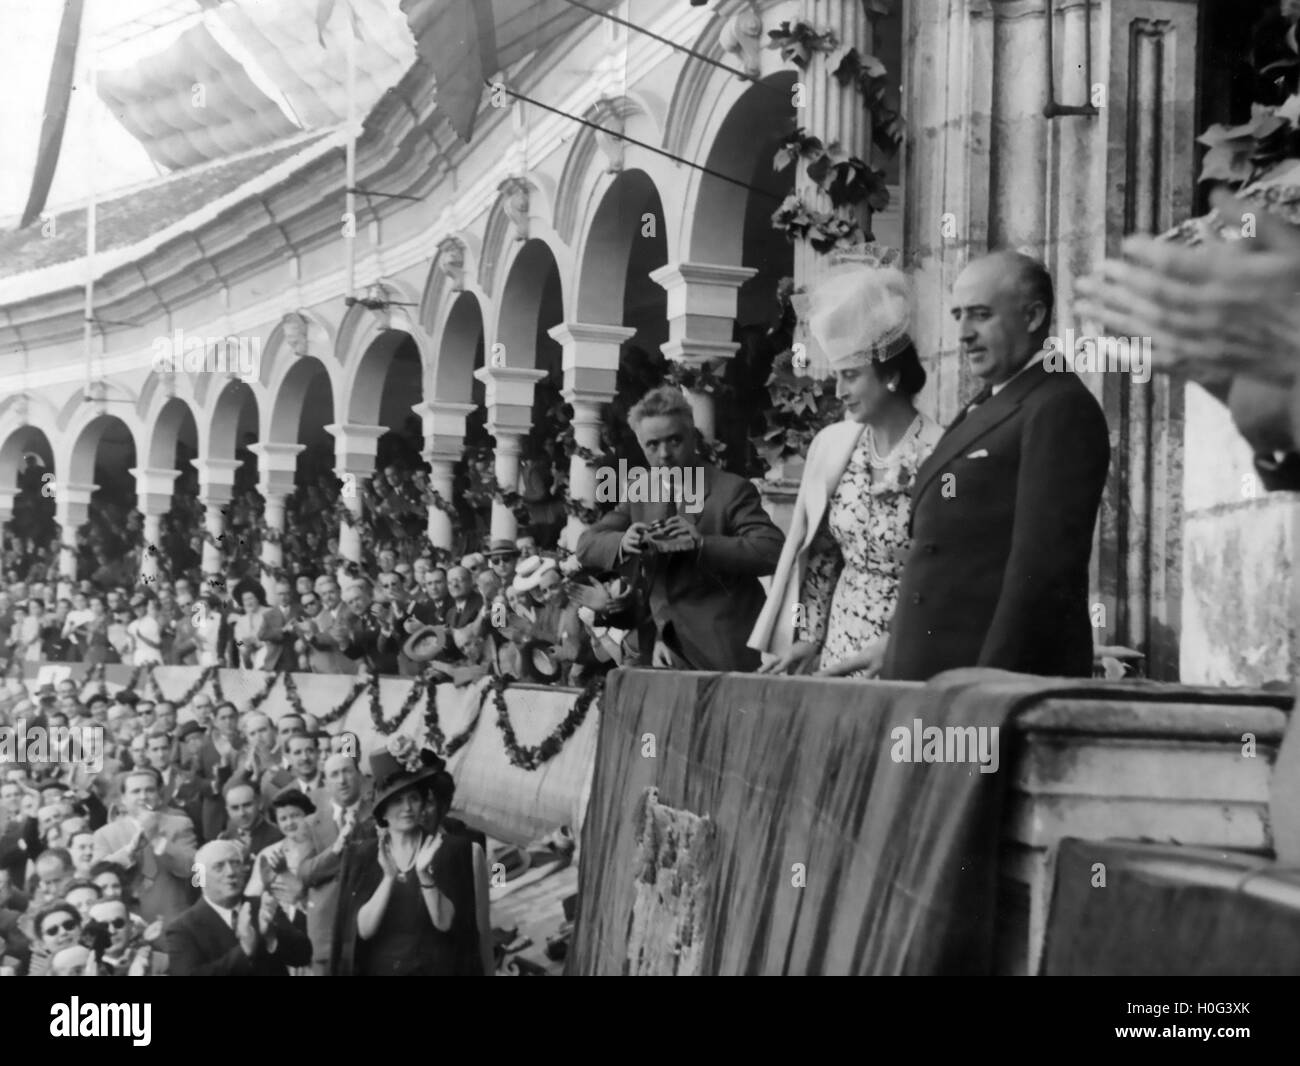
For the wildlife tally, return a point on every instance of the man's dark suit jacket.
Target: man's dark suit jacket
(201, 944)
(1002, 521)
(704, 603)
(262, 835)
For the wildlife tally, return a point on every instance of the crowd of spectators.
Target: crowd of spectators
(197, 840)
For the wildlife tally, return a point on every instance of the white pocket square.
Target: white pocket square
(983, 453)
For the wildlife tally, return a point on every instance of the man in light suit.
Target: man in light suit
(700, 571)
(1004, 508)
(155, 851)
(343, 817)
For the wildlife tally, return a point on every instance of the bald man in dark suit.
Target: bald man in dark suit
(1003, 510)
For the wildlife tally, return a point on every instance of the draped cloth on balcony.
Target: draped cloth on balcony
(898, 860)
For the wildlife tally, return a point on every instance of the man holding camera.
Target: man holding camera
(698, 572)
(372, 633)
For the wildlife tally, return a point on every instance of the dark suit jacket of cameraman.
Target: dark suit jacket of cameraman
(1002, 521)
(704, 603)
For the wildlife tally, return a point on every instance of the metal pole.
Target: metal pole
(350, 203)
(88, 326)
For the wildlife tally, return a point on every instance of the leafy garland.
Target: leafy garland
(334, 713)
(208, 673)
(532, 758)
(419, 687)
(433, 735)
(260, 698)
(846, 180)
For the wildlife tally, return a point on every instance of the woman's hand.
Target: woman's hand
(868, 661)
(795, 661)
(386, 862)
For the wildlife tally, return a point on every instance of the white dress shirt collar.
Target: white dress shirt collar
(1038, 358)
(226, 914)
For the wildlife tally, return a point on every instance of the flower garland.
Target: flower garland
(418, 688)
(137, 675)
(434, 739)
(532, 758)
(333, 714)
(205, 675)
(260, 697)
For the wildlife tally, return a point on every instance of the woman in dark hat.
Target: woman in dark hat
(407, 902)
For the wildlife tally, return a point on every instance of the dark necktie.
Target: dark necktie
(980, 397)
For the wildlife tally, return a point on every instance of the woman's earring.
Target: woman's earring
(892, 386)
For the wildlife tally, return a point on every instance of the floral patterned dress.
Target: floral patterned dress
(851, 581)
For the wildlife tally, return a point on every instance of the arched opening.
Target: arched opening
(174, 446)
(532, 304)
(234, 431)
(31, 527)
(110, 541)
(388, 383)
(628, 241)
(733, 226)
(302, 407)
(462, 354)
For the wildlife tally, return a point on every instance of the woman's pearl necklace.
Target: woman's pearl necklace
(879, 461)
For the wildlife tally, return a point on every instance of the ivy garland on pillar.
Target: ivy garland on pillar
(847, 180)
(801, 405)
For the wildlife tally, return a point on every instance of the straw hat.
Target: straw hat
(529, 573)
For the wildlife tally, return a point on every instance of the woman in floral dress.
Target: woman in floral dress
(834, 590)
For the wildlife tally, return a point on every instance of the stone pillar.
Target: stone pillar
(1019, 157)
(216, 489)
(444, 446)
(948, 94)
(354, 461)
(7, 504)
(834, 112)
(72, 510)
(509, 418)
(277, 466)
(701, 322)
(591, 355)
(153, 494)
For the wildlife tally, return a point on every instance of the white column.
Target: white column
(72, 510)
(444, 446)
(355, 447)
(591, 356)
(701, 322)
(834, 112)
(216, 489)
(277, 466)
(153, 494)
(509, 396)
(1018, 179)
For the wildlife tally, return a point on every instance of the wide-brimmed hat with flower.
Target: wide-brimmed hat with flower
(403, 765)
